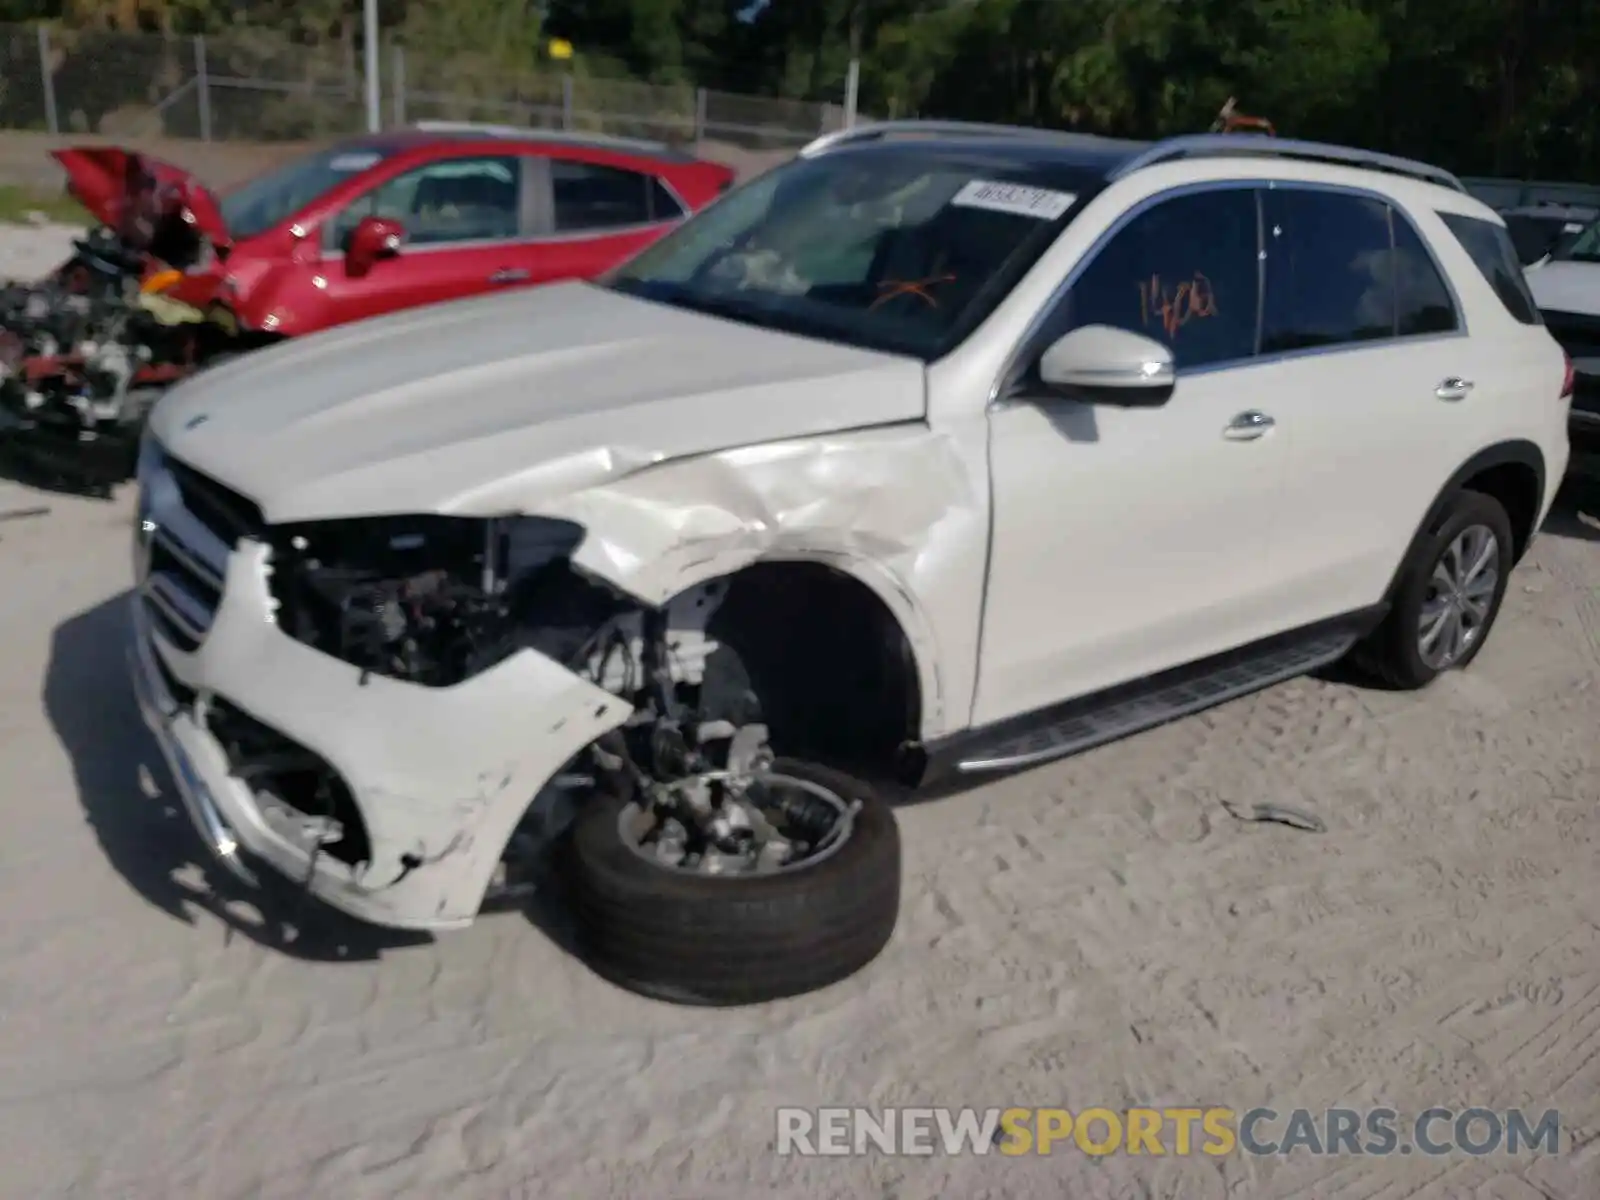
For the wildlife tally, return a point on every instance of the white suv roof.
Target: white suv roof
(1124, 157)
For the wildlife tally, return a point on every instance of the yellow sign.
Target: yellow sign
(560, 48)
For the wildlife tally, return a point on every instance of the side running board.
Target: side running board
(1094, 720)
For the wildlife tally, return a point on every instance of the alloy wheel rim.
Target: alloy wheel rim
(1460, 597)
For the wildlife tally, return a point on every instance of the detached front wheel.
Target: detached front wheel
(714, 928)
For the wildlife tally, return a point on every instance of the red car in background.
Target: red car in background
(395, 220)
(178, 277)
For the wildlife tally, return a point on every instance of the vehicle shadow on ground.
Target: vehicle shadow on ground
(148, 839)
(15, 468)
(1576, 512)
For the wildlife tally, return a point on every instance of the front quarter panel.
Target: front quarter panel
(895, 507)
(285, 299)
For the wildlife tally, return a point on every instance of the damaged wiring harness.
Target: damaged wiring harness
(83, 355)
(435, 600)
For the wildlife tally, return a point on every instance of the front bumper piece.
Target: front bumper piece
(440, 777)
(162, 713)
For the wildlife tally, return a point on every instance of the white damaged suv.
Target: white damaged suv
(939, 451)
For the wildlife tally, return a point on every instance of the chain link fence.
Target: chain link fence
(250, 86)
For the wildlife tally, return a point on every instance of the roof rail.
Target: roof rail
(1227, 145)
(879, 130)
(532, 133)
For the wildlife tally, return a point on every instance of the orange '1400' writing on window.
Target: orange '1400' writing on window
(1174, 306)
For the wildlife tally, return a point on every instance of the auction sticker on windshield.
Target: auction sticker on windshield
(1015, 198)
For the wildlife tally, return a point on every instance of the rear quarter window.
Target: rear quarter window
(1489, 246)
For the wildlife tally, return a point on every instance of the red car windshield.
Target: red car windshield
(262, 202)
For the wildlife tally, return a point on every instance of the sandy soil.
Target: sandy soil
(1096, 932)
(28, 251)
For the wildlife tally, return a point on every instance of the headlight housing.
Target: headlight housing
(429, 599)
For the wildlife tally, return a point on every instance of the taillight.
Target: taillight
(1568, 382)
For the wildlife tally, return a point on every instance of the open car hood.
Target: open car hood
(132, 192)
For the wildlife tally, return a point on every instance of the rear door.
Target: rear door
(592, 216)
(465, 220)
(1374, 382)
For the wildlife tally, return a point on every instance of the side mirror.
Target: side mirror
(372, 240)
(1106, 365)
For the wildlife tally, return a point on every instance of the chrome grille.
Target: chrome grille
(188, 525)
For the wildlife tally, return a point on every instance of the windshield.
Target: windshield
(903, 248)
(1583, 248)
(1533, 236)
(262, 202)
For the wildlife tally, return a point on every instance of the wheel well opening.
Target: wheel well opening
(1516, 486)
(829, 665)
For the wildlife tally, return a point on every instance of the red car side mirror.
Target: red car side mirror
(372, 240)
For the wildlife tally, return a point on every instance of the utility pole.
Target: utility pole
(369, 17)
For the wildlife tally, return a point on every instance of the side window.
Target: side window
(1489, 246)
(1422, 299)
(452, 200)
(1329, 277)
(588, 196)
(1183, 272)
(664, 205)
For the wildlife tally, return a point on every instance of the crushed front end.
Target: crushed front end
(78, 374)
(85, 351)
(367, 707)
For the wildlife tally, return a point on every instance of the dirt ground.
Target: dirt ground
(1098, 932)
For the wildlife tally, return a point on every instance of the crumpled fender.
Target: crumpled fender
(896, 508)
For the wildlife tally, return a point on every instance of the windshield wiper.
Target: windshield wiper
(783, 319)
(679, 296)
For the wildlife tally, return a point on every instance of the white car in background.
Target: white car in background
(915, 460)
(1566, 287)
(1540, 230)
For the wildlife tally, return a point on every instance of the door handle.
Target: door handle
(1248, 426)
(509, 275)
(1454, 388)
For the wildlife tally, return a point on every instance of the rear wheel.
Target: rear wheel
(1449, 595)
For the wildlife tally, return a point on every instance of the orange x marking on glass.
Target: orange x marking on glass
(911, 287)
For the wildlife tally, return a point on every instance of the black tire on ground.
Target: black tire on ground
(1391, 652)
(697, 939)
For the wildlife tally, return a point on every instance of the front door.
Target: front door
(1130, 540)
(464, 221)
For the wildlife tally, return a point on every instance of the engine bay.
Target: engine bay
(434, 601)
(85, 352)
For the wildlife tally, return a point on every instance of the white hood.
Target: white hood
(1572, 287)
(492, 405)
